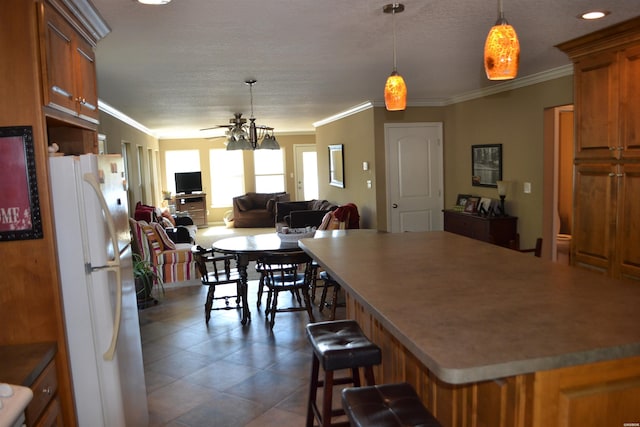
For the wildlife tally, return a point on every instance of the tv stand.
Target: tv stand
(195, 204)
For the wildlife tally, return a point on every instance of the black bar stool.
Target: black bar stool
(387, 405)
(338, 345)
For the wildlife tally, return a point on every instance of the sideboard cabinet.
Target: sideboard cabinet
(499, 230)
(607, 149)
(195, 205)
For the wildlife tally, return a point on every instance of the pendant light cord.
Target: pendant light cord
(394, 38)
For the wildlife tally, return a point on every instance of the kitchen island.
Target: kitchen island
(489, 336)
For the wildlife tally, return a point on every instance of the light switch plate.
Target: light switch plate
(527, 187)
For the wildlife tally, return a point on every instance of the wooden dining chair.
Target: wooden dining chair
(215, 270)
(287, 271)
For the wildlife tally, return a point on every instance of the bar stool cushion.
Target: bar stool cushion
(342, 344)
(386, 405)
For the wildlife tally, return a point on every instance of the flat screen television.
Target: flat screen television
(188, 182)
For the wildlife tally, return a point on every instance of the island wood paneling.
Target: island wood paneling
(593, 395)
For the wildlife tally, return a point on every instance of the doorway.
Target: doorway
(557, 220)
(414, 154)
(306, 171)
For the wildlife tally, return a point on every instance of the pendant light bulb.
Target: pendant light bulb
(395, 90)
(501, 50)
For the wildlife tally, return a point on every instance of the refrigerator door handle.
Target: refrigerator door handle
(113, 265)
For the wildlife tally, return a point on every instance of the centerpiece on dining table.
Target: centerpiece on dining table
(287, 234)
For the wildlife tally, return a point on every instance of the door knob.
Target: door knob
(394, 206)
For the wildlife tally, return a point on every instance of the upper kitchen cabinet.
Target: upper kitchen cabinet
(68, 62)
(607, 92)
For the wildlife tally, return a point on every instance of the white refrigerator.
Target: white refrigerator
(100, 309)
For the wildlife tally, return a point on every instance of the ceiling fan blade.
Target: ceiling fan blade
(218, 127)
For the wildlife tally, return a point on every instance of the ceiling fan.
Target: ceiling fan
(241, 136)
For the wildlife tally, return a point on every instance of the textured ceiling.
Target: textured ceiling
(181, 67)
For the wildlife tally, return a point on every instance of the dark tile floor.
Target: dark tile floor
(224, 374)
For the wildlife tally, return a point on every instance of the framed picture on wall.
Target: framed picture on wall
(486, 165)
(19, 204)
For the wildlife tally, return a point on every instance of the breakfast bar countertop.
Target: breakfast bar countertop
(471, 311)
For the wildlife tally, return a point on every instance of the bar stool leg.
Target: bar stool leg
(327, 397)
(313, 390)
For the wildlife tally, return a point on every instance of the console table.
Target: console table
(195, 205)
(499, 230)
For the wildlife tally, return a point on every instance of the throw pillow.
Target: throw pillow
(243, 203)
(162, 235)
(271, 205)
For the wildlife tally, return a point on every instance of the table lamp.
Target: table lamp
(502, 192)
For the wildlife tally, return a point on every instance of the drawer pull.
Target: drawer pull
(47, 390)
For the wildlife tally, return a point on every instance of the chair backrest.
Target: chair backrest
(212, 267)
(290, 268)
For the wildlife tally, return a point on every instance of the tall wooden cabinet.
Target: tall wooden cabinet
(30, 296)
(607, 150)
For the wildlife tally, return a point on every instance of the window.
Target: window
(180, 161)
(269, 170)
(227, 176)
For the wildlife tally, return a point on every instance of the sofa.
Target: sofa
(300, 214)
(256, 209)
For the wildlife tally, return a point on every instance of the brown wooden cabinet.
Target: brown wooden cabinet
(195, 205)
(499, 230)
(607, 151)
(31, 307)
(68, 62)
(34, 366)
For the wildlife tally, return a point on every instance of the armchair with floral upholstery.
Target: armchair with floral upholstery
(173, 262)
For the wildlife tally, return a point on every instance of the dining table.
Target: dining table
(250, 248)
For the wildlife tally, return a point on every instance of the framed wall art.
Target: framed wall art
(486, 165)
(336, 165)
(19, 204)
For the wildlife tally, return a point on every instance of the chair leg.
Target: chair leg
(272, 311)
(307, 304)
(323, 297)
(334, 301)
(260, 289)
(209, 303)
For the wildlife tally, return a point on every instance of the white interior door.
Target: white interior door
(306, 171)
(414, 176)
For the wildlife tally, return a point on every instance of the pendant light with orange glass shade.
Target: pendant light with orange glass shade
(395, 90)
(501, 50)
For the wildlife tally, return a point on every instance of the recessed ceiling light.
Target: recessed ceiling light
(593, 14)
(154, 1)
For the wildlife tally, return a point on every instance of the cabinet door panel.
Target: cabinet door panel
(630, 102)
(596, 89)
(628, 235)
(594, 216)
(86, 87)
(58, 75)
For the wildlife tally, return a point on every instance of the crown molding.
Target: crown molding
(108, 109)
(532, 79)
(351, 111)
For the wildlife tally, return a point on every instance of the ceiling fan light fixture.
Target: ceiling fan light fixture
(501, 50)
(269, 142)
(395, 89)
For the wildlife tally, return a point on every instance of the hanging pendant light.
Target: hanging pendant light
(501, 50)
(395, 90)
